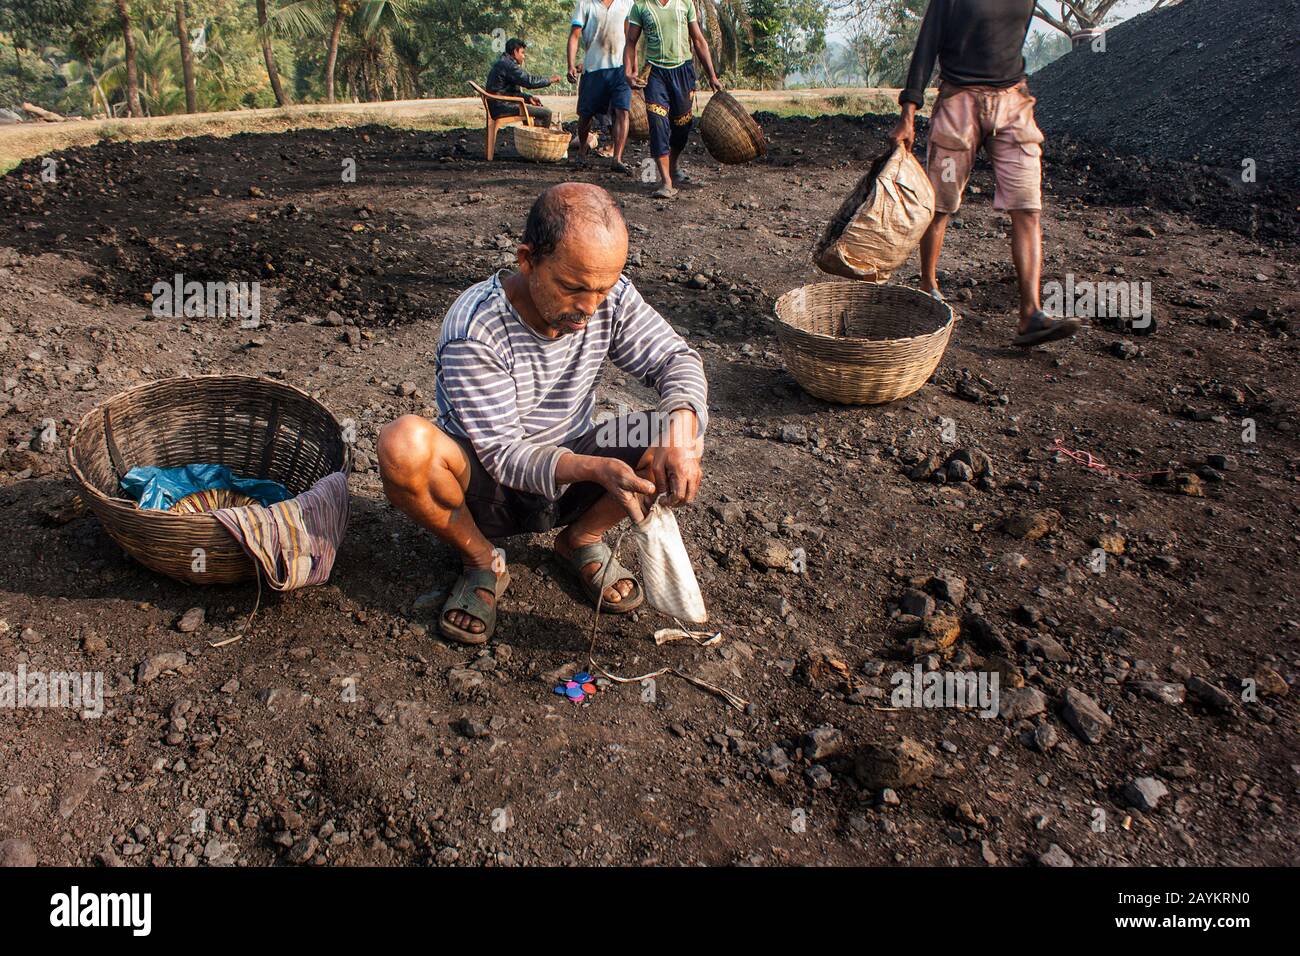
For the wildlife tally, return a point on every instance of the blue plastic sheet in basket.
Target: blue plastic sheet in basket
(160, 488)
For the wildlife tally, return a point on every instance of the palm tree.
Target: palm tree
(307, 19)
(268, 55)
(342, 8)
(374, 60)
(94, 78)
(725, 24)
(156, 58)
(132, 82)
(187, 57)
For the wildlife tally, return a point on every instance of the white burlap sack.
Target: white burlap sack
(880, 222)
(666, 572)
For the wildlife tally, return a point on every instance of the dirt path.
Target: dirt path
(25, 140)
(451, 756)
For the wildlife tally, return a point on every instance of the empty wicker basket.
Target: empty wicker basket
(256, 427)
(730, 134)
(540, 144)
(861, 344)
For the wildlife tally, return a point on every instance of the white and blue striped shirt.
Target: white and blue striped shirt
(517, 395)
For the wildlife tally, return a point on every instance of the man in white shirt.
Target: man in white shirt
(601, 26)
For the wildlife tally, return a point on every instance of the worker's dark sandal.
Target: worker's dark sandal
(618, 167)
(1042, 329)
(465, 597)
(609, 572)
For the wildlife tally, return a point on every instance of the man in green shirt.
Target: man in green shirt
(671, 35)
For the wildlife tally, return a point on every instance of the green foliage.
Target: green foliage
(787, 36)
(72, 54)
(1042, 48)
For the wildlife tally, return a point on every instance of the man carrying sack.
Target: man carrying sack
(671, 33)
(601, 25)
(983, 100)
(514, 449)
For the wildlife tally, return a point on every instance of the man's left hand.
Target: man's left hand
(676, 472)
(675, 466)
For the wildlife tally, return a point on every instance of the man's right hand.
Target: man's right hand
(572, 76)
(904, 131)
(555, 78)
(624, 484)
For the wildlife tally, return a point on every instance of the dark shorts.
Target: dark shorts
(599, 90)
(670, 107)
(501, 512)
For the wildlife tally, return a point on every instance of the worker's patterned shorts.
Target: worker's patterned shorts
(1002, 121)
(670, 107)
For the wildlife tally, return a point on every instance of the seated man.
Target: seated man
(509, 78)
(514, 448)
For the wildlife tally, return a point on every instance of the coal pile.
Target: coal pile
(1214, 82)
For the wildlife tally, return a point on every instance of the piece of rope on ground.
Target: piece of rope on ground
(734, 700)
(1093, 463)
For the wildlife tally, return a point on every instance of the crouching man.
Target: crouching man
(514, 449)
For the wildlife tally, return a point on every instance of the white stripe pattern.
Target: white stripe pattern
(518, 396)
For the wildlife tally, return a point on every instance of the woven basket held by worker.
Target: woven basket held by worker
(254, 426)
(638, 121)
(541, 145)
(858, 343)
(880, 222)
(730, 134)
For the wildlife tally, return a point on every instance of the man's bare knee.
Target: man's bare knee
(406, 450)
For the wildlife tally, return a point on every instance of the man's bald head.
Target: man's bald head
(574, 250)
(572, 211)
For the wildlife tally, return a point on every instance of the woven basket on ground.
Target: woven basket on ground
(638, 120)
(256, 427)
(730, 134)
(540, 144)
(861, 344)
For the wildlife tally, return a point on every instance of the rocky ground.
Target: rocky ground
(1143, 629)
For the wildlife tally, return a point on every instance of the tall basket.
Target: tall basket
(730, 134)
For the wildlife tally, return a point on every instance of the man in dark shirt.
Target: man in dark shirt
(509, 78)
(983, 101)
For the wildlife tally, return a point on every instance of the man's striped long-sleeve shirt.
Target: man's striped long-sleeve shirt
(517, 395)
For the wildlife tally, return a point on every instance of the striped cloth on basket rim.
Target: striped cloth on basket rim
(294, 542)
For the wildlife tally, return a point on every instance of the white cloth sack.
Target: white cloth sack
(666, 572)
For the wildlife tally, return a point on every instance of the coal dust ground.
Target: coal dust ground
(1144, 634)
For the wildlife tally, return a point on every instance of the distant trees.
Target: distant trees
(1042, 48)
(148, 57)
(1071, 16)
(784, 37)
(881, 35)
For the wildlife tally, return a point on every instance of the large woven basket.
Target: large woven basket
(540, 144)
(256, 427)
(730, 134)
(861, 344)
(638, 120)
